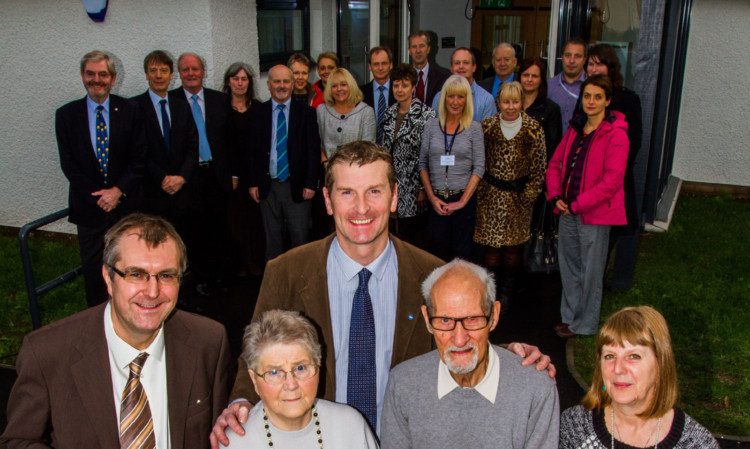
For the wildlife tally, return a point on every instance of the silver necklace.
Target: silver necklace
(317, 428)
(612, 417)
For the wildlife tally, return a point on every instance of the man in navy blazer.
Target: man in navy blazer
(283, 169)
(214, 178)
(104, 166)
(172, 141)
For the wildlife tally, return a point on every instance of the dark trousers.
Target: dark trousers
(91, 245)
(281, 214)
(451, 235)
(208, 234)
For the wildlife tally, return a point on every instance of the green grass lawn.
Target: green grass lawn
(50, 258)
(698, 276)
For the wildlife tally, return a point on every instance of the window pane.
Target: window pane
(280, 31)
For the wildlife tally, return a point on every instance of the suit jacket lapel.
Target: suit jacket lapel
(93, 381)
(180, 366)
(408, 316)
(315, 288)
(295, 124)
(82, 125)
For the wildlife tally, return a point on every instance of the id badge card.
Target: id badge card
(448, 160)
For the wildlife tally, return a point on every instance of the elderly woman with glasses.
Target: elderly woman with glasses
(283, 356)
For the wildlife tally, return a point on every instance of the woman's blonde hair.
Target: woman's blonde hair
(355, 95)
(456, 85)
(511, 91)
(642, 326)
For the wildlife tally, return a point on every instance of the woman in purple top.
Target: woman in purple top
(585, 184)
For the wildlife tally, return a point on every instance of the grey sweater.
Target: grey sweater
(525, 413)
(337, 129)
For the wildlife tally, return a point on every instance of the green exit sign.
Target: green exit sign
(495, 4)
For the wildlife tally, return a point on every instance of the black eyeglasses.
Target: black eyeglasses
(470, 323)
(141, 277)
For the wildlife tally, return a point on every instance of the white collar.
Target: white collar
(122, 352)
(487, 387)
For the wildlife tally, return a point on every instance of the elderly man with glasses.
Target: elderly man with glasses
(467, 388)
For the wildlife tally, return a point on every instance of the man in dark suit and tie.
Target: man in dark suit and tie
(133, 372)
(214, 178)
(378, 93)
(102, 149)
(430, 78)
(284, 164)
(172, 140)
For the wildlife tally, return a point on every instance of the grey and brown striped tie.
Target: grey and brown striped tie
(136, 425)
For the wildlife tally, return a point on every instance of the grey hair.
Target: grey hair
(503, 45)
(483, 275)
(279, 327)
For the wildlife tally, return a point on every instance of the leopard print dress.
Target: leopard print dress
(504, 217)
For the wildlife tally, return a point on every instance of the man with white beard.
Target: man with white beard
(467, 388)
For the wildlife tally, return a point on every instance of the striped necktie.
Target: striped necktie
(136, 425)
(381, 114)
(282, 161)
(361, 381)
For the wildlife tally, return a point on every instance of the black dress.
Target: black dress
(245, 224)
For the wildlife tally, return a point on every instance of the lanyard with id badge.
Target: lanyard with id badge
(448, 159)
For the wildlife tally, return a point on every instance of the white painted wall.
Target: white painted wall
(713, 136)
(42, 44)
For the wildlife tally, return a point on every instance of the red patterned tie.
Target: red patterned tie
(136, 425)
(420, 87)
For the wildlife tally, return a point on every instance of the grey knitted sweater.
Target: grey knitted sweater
(580, 429)
(337, 129)
(525, 413)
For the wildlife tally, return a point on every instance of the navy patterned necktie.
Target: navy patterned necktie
(102, 142)
(361, 389)
(165, 125)
(381, 114)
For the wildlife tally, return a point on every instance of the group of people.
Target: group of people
(359, 339)
(330, 363)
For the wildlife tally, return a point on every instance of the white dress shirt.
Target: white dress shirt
(487, 387)
(153, 376)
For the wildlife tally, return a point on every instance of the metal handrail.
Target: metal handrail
(31, 289)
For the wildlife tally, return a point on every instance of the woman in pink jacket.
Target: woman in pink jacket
(585, 184)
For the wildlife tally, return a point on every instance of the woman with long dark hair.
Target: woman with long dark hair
(245, 226)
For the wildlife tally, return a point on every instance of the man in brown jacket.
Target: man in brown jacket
(360, 193)
(76, 377)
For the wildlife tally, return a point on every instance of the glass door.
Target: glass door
(354, 37)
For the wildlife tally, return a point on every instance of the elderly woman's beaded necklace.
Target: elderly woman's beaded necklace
(317, 428)
(612, 415)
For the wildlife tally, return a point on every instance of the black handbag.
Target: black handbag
(540, 252)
